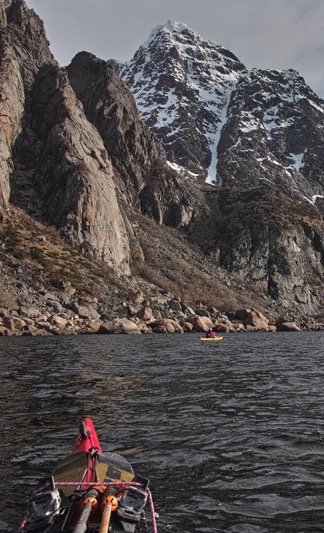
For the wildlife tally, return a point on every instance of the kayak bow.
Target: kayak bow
(90, 490)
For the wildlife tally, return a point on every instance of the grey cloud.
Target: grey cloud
(262, 33)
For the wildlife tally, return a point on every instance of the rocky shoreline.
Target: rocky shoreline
(61, 315)
(91, 210)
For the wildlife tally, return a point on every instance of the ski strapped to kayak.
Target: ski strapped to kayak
(90, 490)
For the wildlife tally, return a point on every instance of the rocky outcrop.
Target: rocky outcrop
(144, 179)
(274, 243)
(54, 164)
(23, 49)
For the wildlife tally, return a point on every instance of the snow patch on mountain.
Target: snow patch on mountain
(181, 81)
(297, 160)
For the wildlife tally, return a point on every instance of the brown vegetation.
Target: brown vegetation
(182, 270)
(36, 254)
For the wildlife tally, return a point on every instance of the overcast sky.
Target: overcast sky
(277, 34)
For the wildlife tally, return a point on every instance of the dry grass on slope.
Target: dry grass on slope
(36, 255)
(180, 269)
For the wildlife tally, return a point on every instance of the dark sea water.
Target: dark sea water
(231, 434)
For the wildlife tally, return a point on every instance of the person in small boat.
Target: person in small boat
(210, 333)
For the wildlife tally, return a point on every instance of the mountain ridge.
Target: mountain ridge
(78, 158)
(228, 105)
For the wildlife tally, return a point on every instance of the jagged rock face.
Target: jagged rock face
(182, 85)
(23, 48)
(148, 183)
(169, 200)
(110, 106)
(275, 244)
(25, 35)
(274, 133)
(52, 160)
(12, 108)
(65, 166)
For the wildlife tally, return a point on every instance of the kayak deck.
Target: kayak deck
(90, 490)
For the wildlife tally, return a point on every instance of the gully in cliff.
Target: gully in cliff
(91, 490)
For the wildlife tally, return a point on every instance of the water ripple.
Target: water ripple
(231, 435)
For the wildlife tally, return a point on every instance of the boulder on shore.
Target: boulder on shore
(119, 325)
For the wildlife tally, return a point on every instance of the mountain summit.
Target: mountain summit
(182, 84)
(217, 120)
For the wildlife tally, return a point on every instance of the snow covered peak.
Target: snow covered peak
(171, 27)
(182, 82)
(222, 123)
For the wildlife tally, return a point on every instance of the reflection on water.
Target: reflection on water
(231, 435)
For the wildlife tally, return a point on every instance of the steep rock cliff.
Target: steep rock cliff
(110, 106)
(23, 49)
(71, 173)
(55, 166)
(268, 242)
(144, 179)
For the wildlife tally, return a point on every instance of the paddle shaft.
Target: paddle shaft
(105, 519)
(81, 525)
